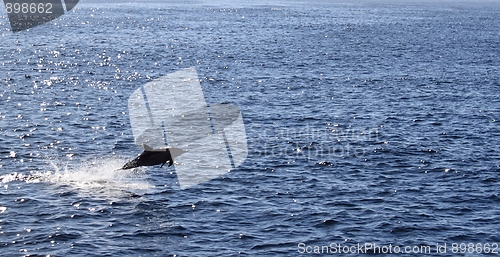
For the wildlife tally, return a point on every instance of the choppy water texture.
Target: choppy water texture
(366, 122)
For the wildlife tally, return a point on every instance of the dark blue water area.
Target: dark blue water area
(369, 123)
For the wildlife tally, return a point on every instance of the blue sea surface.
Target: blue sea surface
(370, 123)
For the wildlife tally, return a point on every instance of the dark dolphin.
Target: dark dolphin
(151, 157)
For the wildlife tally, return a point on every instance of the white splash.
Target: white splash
(102, 176)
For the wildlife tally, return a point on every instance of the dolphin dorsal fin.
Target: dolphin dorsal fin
(147, 147)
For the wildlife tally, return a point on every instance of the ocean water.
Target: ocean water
(367, 123)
